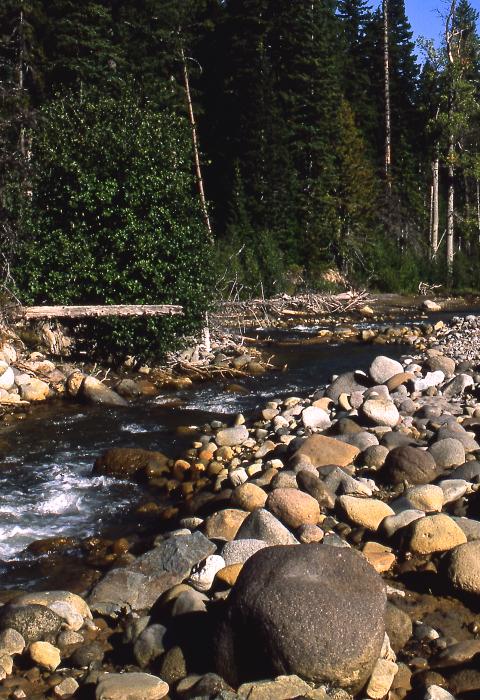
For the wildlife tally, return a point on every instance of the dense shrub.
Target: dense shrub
(113, 217)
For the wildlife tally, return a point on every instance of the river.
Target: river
(46, 486)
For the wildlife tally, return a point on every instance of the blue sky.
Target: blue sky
(425, 18)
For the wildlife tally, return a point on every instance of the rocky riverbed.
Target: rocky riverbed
(326, 547)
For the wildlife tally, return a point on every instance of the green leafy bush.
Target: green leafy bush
(114, 218)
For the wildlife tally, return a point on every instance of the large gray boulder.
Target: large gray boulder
(311, 610)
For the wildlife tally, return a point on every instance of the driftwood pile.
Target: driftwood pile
(263, 313)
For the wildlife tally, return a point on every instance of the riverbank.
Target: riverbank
(380, 464)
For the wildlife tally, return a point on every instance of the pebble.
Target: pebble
(11, 641)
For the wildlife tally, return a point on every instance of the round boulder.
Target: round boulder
(464, 567)
(384, 368)
(293, 507)
(406, 463)
(448, 453)
(33, 622)
(312, 610)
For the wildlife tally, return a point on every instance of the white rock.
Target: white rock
(63, 609)
(203, 578)
(238, 476)
(431, 379)
(381, 679)
(435, 692)
(315, 418)
(7, 377)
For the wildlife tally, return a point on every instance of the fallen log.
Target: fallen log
(30, 313)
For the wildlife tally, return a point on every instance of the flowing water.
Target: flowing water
(46, 483)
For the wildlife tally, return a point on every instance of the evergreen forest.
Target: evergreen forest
(177, 150)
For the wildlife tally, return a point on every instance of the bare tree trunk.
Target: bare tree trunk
(388, 114)
(450, 207)
(435, 201)
(478, 208)
(196, 151)
(21, 60)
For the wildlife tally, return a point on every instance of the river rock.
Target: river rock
(314, 418)
(321, 451)
(381, 412)
(239, 551)
(436, 361)
(435, 533)
(285, 687)
(347, 383)
(11, 641)
(229, 437)
(249, 497)
(470, 527)
(384, 368)
(436, 692)
(431, 379)
(337, 640)
(429, 305)
(406, 463)
(448, 453)
(399, 627)
(34, 390)
(128, 463)
(464, 567)
(202, 578)
(426, 497)
(454, 489)
(45, 655)
(149, 645)
(457, 386)
(33, 622)
(141, 583)
(314, 486)
(394, 523)
(74, 383)
(66, 688)
(130, 686)
(50, 598)
(224, 524)
(263, 525)
(293, 507)
(365, 512)
(375, 456)
(95, 391)
(7, 376)
(381, 679)
(398, 380)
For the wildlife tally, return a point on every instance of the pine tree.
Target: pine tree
(355, 16)
(80, 50)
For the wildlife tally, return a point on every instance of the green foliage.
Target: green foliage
(113, 216)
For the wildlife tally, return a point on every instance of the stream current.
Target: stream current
(46, 485)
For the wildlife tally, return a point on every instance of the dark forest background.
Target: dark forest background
(98, 190)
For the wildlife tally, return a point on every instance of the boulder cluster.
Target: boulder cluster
(328, 548)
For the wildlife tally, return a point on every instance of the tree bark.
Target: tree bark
(196, 151)
(30, 313)
(478, 208)
(435, 201)
(388, 114)
(450, 208)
